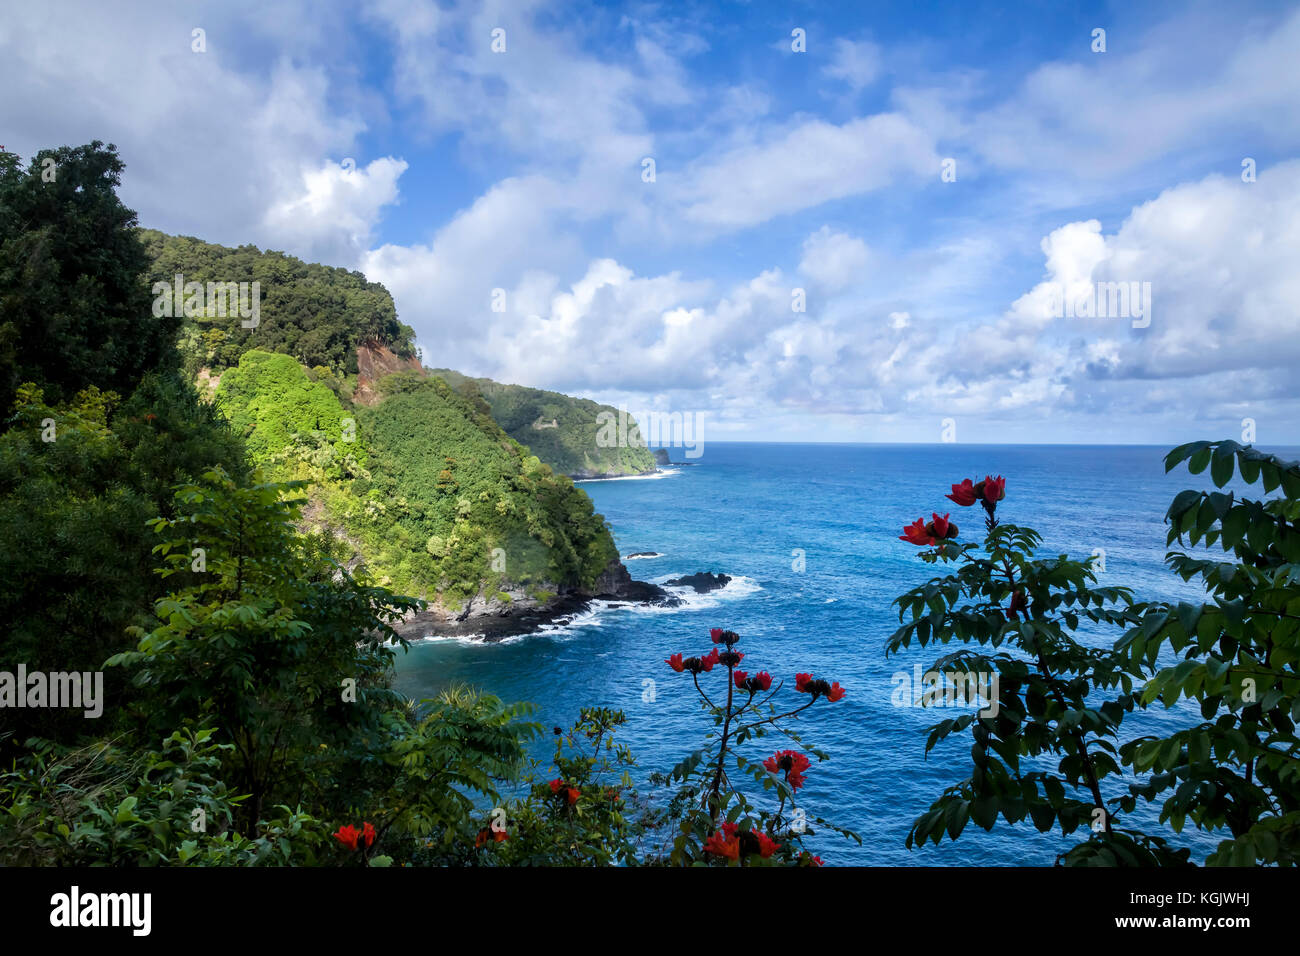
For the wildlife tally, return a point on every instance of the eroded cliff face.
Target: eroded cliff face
(374, 361)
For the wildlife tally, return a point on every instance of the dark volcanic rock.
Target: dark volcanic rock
(493, 626)
(495, 622)
(702, 581)
(616, 584)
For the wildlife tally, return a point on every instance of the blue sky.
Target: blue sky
(389, 136)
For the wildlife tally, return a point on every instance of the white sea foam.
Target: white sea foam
(662, 473)
(599, 611)
(642, 557)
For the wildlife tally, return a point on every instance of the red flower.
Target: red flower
(724, 842)
(675, 662)
(732, 842)
(348, 836)
(496, 836)
(709, 659)
(964, 494)
(807, 684)
(739, 678)
(764, 679)
(915, 533)
(716, 635)
(1018, 603)
(995, 489)
(368, 832)
(766, 846)
(790, 762)
(570, 793)
(940, 525)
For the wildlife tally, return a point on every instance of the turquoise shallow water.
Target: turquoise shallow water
(745, 509)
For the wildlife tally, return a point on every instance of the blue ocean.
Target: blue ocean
(809, 534)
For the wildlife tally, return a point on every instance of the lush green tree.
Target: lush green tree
(74, 307)
(582, 813)
(78, 482)
(273, 405)
(257, 641)
(1045, 727)
(1237, 771)
(314, 313)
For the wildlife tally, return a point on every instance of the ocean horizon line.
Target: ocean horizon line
(968, 444)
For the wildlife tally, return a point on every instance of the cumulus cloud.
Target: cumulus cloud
(213, 141)
(833, 259)
(333, 219)
(923, 300)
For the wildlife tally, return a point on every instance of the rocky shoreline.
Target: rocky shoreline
(496, 621)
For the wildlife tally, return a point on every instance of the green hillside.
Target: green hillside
(561, 430)
(425, 487)
(315, 313)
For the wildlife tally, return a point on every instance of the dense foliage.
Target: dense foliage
(1046, 734)
(437, 499)
(73, 309)
(78, 481)
(315, 313)
(559, 429)
(272, 404)
(1235, 773)
(281, 659)
(716, 820)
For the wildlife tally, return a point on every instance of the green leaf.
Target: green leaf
(1221, 468)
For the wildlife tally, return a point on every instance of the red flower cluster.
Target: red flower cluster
(731, 842)
(570, 794)
(697, 665)
(924, 535)
(792, 763)
(488, 834)
(759, 682)
(990, 491)
(719, 636)
(807, 684)
(350, 835)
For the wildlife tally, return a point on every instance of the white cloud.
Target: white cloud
(811, 164)
(334, 218)
(211, 142)
(833, 259)
(1210, 77)
(856, 64)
